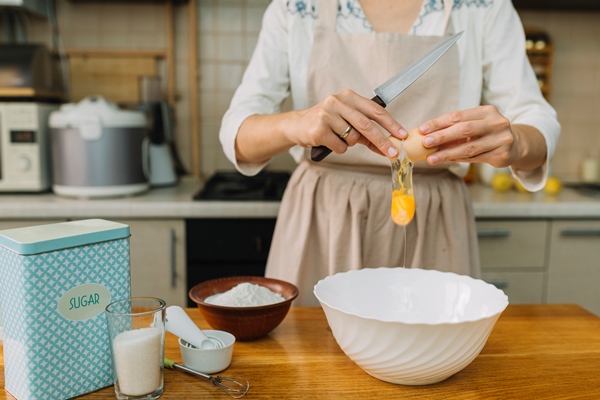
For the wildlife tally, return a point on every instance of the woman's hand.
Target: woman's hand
(263, 136)
(322, 125)
(482, 134)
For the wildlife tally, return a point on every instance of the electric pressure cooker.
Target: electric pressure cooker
(98, 150)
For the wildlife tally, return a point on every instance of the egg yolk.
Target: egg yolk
(403, 207)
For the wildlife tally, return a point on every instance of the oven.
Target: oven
(221, 247)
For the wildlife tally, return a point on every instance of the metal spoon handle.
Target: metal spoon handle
(189, 370)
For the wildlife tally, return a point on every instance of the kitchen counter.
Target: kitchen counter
(534, 351)
(176, 202)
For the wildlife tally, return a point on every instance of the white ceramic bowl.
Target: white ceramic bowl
(410, 326)
(208, 361)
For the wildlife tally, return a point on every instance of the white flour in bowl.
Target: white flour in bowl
(245, 294)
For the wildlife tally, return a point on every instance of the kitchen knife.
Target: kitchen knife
(389, 90)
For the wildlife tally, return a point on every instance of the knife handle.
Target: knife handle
(318, 153)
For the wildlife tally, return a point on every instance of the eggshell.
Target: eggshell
(413, 145)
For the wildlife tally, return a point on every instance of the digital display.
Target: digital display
(22, 136)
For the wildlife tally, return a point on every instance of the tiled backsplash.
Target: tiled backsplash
(228, 30)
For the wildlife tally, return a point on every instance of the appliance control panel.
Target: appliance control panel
(25, 147)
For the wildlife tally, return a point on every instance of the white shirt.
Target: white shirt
(494, 68)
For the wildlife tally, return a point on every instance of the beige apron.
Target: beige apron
(335, 215)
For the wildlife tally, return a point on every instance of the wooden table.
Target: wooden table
(534, 351)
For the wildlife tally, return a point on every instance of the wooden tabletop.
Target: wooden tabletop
(534, 351)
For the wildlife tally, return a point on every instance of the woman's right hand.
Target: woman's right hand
(322, 125)
(263, 136)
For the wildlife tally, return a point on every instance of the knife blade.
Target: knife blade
(390, 89)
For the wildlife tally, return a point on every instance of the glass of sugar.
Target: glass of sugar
(136, 330)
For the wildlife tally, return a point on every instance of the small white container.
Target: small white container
(589, 170)
(208, 361)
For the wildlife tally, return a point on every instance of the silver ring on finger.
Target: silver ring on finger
(344, 134)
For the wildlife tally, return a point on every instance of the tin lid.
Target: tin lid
(51, 237)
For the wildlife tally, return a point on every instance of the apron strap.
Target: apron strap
(327, 15)
(448, 5)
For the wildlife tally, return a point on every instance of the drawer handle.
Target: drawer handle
(499, 284)
(173, 270)
(580, 232)
(494, 233)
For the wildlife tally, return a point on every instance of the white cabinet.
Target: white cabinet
(158, 266)
(574, 267)
(513, 257)
(543, 261)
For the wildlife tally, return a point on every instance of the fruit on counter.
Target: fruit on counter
(502, 182)
(413, 145)
(553, 185)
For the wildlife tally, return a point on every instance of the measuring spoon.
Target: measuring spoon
(180, 324)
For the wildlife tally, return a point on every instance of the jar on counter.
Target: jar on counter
(589, 171)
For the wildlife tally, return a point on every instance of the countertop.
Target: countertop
(534, 351)
(176, 202)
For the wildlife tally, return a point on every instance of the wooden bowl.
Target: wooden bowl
(245, 323)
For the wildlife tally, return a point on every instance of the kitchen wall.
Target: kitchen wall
(228, 31)
(576, 87)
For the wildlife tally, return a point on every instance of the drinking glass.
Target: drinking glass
(136, 330)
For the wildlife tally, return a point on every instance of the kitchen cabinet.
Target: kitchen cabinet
(158, 267)
(574, 267)
(542, 261)
(513, 257)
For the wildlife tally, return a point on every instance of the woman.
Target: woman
(479, 103)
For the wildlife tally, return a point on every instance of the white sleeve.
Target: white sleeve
(511, 85)
(265, 83)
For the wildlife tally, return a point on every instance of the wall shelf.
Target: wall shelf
(541, 56)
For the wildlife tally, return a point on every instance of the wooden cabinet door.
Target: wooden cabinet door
(158, 267)
(574, 267)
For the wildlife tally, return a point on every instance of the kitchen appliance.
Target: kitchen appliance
(233, 186)
(97, 150)
(160, 156)
(390, 89)
(24, 146)
(163, 162)
(37, 7)
(28, 73)
(55, 282)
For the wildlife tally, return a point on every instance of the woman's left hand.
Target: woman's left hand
(479, 134)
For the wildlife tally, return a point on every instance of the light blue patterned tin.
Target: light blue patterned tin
(55, 281)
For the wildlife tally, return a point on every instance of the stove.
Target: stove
(233, 186)
(587, 189)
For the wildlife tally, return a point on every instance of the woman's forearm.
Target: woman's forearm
(261, 137)
(532, 147)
